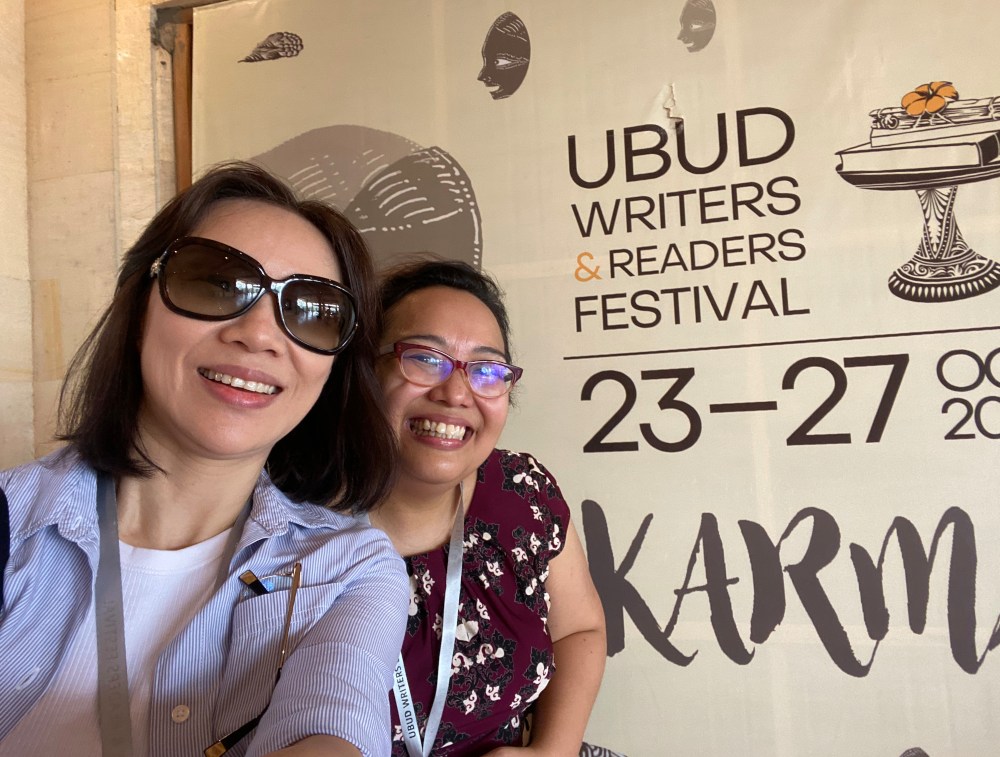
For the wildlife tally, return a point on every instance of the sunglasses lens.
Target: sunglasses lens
(209, 282)
(489, 379)
(202, 281)
(317, 314)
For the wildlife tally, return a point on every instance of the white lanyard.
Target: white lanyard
(416, 747)
(112, 669)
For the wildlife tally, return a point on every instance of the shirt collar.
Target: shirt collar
(67, 487)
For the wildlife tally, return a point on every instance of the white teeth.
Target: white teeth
(257, 387)
(425, 427)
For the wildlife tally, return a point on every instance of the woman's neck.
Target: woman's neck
(190, 502)
(419, 519)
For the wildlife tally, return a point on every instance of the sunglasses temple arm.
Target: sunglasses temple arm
(296, 579)
(230, 740)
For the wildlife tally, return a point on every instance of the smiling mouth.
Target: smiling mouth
(425, 427)
(257, 387)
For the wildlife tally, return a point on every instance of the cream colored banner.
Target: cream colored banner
(750, 251)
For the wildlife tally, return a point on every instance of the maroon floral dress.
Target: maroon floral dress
(515, 524)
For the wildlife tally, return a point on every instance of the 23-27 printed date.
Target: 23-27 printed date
(970, 414)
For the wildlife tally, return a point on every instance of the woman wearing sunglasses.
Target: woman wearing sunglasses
(504, 619)
(174, 585)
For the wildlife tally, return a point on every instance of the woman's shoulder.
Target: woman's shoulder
(58, 465)
(57, 488)
(321, 528)
(506, 474)
(520, 472)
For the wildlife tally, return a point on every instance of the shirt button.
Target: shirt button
(180, 713)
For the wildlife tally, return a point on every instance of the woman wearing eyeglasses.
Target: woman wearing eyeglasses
(175, 585)
(503, 619)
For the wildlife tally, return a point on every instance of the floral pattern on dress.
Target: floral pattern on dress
(515, 524)
(479, 672)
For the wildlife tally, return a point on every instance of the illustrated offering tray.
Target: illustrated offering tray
(933, 153)
(945, 149)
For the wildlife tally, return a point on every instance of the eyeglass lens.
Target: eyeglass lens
(427, 367)
(203, 281)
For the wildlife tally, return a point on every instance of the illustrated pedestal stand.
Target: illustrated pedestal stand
(944, 268)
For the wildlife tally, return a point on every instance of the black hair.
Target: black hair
(412, 276)
(342, 453)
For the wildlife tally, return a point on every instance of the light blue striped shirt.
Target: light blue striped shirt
(346, 630)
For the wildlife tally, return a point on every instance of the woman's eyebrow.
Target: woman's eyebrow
(435, 341)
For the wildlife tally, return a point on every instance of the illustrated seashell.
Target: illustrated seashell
(277, 45)
(404, 198)
(423, 201)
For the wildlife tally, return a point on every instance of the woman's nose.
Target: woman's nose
(454, 390)
(257, 329)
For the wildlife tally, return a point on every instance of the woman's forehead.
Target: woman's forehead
(452, 318)
(283, 242)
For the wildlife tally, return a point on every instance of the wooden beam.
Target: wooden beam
(181, 70)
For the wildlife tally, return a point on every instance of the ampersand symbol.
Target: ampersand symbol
(583, 271)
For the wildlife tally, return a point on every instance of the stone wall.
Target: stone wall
(17, 432)
(82, 173)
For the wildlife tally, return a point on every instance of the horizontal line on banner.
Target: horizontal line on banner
(818, 340)
(742, 407)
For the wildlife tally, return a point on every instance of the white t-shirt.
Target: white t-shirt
(162, 590)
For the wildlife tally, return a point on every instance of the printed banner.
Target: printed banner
(752, 254)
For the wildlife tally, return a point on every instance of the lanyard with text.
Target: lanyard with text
(112, 670)
(401, 687)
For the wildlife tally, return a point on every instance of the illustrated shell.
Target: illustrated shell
(404, 198)
(277, 45)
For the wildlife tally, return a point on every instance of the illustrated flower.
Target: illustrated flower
(460, 661)
(466, 630)
(555, 542)
(427, 581)
(470, 703)
(489, 652)
(929, 98)
(414, 599)
(522, 476)
(541, 680)
(481, 609)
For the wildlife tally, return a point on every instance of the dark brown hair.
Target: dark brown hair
(412, 276)
(342, 453)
